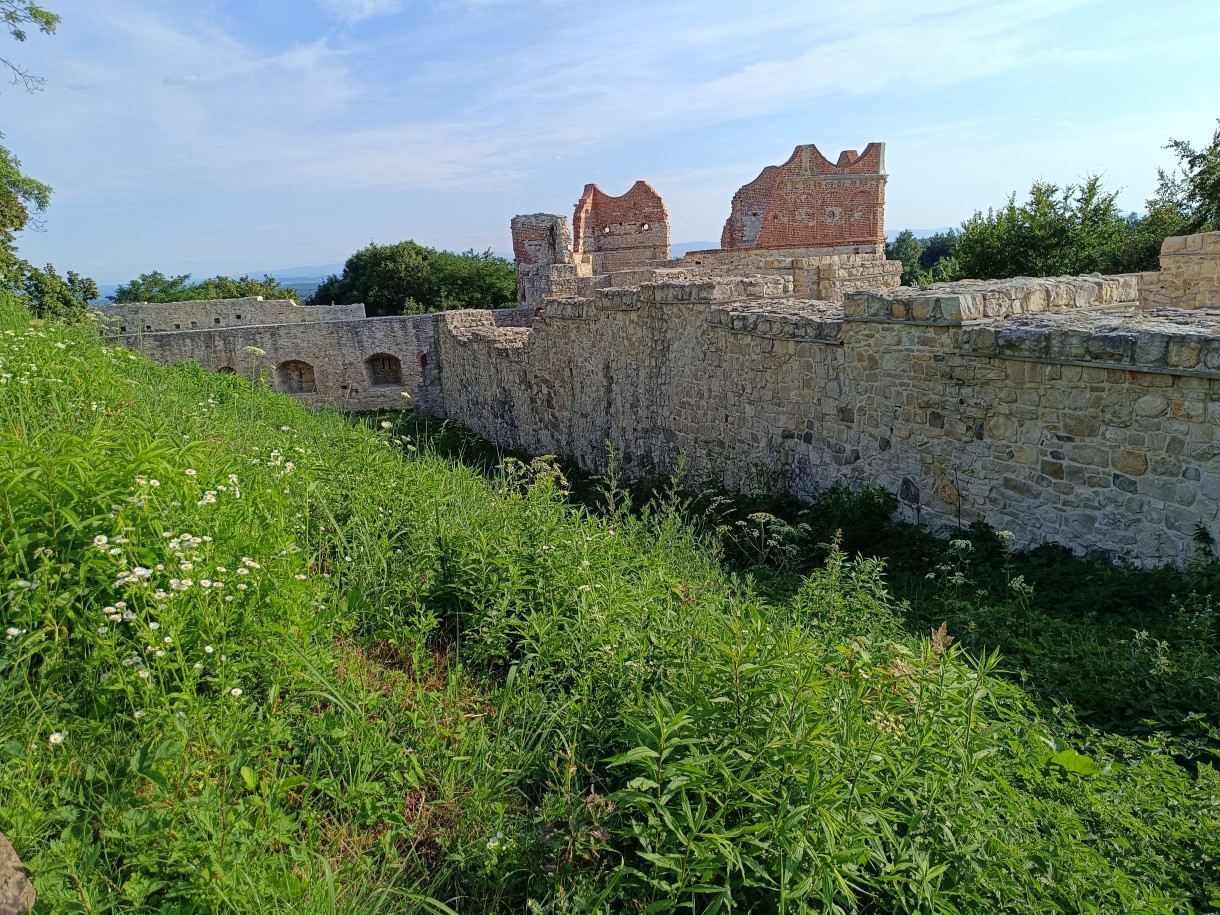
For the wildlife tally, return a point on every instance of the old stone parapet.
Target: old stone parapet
(989, 300)
(1053, 408)
(1161, 340)
(805, 321)
(1189, 276)
(206, 314)
(825, 274)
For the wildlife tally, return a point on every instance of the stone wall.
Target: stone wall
(1189, 275)
(816, 273)
(137, 317)
(621, 233)
(810, 202)
(546, 265)
(1057, 409)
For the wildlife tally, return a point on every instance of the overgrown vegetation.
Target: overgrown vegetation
(262, 659)
(409, 278)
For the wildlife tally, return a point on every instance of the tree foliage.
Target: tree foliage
(24, 199)
(409, 278)
(1057, 231)
(157, 287)
(907, 249)
(18, 15)
(1196, 195)
(63, 298)
(936, 248)
(21, 199)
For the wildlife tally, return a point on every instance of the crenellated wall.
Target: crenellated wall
(1189, 275)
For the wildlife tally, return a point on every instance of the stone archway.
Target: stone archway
(296, 377)
(384, 370)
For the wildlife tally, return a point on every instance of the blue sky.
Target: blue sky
(224, 136)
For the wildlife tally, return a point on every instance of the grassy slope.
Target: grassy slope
(432, 686)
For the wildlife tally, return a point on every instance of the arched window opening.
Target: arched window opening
(227, 370)
(296, 377)
(384, 369)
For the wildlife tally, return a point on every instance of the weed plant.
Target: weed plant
(263, 659)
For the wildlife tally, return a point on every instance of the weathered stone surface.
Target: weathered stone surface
(16, 891)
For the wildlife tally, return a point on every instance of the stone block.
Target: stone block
(1131, 463)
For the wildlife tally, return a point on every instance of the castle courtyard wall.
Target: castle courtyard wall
(1055, 409)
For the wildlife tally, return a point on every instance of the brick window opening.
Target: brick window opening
(384, 369)
(227, 370)
(296, 377)
(177, 327)
(216, 320)
(122, 328)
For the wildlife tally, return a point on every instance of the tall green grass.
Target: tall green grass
(406, 686)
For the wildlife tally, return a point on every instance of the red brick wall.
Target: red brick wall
(811, 202)
(621, 233)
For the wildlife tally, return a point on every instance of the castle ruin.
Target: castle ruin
(1080, 410)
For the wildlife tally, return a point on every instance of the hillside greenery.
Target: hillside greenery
(409, 278)
(263, 659)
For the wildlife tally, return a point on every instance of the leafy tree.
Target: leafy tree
(409, 278)
(157, 287)
(1058, 230)
(17, 15)
(1197, 193)
(53, 296)
(21, 199)
(936, 248)
(906, 248)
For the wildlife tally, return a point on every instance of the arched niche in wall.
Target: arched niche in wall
(227, 370)
(296, 377)
(384, 369)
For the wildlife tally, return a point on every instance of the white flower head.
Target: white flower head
(235, 692)
(56, 738)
